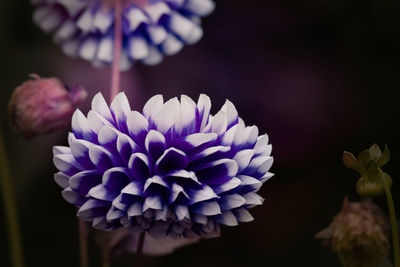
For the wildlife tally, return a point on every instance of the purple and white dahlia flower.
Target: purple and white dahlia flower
(173, 170)
(150, 28)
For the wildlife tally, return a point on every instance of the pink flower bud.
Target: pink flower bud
(43, 105)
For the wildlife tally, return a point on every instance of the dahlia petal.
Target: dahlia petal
(108, 136)
(227, 218)
(83, 181)
(138, 48)
(204, 107)
(139, 166)
(266, 177)
(96, 121)
(126, 147)
(138, 126)
(182, 212)
(152, 202)
(249, 183)
(219, 123)
(229, 202)
(93, 208)
(66, 30)
(135, 209)
(206, 208)
(61, 179)
(171, 45)
(243, 158)
(195, 141)
(217, 172)
(189, 234)
(117, 202)
(70, 47)
(199, 218)
(115, 179)
(105, 50)
(157, 10)
(130, 193)
(180, 25)
(227, 186)
(88, 49)
(154, 57)
(80, 150)
(135, 17)
(161, 214)
(152, 106)
(242, 215)
(155, 181)
(103, 21)
(85, 21)
(204, 194)
(80, 127)
(251, 134)
(195, 35)
(155, 144)
(67, 164)
(185, 175)
(73, 197)
(185, 123)
(57, 150)
(208, 152)
(101, 193)
(259, 166)
(165, 117)
(171, 159)
(232, 116)
(262, 142)
(51, 21)
(157, 34)
(177, 190)
(200, 7)
(253, 199)
(114, 214)
(101, 157)
(120, 108)
(99, 105)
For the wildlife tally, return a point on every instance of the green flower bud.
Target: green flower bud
(368, 164)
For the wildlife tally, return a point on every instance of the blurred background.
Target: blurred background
(319, 77)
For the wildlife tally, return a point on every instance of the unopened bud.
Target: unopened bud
(358, 234)
(43, 105)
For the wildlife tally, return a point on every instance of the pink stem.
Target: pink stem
(115, 76)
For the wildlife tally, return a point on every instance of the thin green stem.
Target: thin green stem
(393, 222)
(10, 208)
(83, 243)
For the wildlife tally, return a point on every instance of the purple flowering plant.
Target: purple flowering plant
(172, 170)
(151, 29)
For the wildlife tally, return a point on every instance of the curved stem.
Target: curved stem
(10, 208)
(393, 222)
(139, 249)
(83, 243)
(115, 76)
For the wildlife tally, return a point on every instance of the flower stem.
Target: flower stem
(139, 249)
(393, 222)
(83, 242)
(17, 258)
(115, 76)
(105, 257)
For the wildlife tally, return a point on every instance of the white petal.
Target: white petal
(153, 105)
(204, 107)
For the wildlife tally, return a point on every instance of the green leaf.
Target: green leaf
(351, 162)
(385, 157)
(363, 158)
(375, 152)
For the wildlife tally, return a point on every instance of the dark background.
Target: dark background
(319, 77)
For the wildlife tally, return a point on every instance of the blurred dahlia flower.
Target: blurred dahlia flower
(150, 28)
(43, 105)
(359, 235)
(173, 170)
